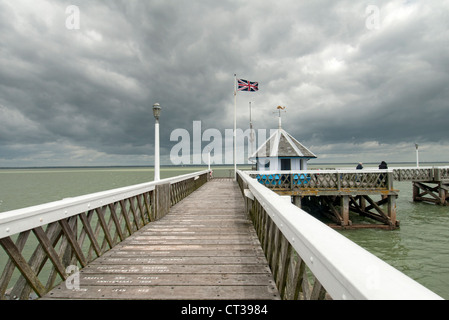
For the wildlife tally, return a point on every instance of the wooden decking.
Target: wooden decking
(205, 248)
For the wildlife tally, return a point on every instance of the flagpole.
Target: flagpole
(235, 125)
(251, 134)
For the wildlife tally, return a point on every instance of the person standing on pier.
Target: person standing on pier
(359, 167)
(383, 165)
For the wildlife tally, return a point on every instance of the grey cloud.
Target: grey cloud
(93, 88)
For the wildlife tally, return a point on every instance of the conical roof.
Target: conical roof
(282, 144)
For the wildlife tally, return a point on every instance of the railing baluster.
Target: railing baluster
(298, 278)
(276, 252)
(47, 246)
(139, 206)
(15, 255)
(90, 234)
(114, 217)
(104, 226)
(10, 266)
(125, 215)
(318, 292)
(135, 215)
(147, 204)
(73, 243)
(284, 264)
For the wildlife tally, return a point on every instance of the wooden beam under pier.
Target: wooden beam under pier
(338, 209)
(437, 194)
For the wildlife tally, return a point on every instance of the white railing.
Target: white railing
(16, 221)
(325, 179)
(421, 173)
(294, 241)
(78, 230)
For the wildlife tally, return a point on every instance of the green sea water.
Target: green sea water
(420, 248)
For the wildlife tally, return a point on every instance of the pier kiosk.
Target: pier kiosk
(281, 152)
(281, 165)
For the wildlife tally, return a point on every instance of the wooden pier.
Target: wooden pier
(336, 193)
(189, 237)
(430, 184)
(204, 248)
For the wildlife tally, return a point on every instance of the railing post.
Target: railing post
(436, 174)
(162, 200)
(390, 180)
(338, 181)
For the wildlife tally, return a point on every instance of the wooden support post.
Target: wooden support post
(297, 201)
(415, 191)
(442, 193)
(437, 194)
(362, 203)
(344, 203)
(445, 188)
(392, 209)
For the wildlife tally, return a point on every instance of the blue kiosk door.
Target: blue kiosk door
(286, 164)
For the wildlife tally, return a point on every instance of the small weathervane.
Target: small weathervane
(280, 108)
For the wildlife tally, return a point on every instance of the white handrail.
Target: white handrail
(16, 221)
(346, 270)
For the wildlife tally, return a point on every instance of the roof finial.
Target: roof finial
(280, 121)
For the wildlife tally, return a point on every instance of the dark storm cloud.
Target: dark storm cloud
(90, 91)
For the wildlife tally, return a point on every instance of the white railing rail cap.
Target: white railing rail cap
(346, 270)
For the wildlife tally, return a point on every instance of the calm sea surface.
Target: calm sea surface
(420, 248)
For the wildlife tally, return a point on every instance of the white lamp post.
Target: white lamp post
(417, 155)
(156, 113)
(208, 159)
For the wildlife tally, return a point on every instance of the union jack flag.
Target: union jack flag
(245, 85)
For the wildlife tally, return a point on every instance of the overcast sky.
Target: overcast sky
(359, 82)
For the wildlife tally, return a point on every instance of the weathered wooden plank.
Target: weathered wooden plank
(184, 247)
(228, 279)
(206, 238)
(205, 242)
(190, 253)
(176, 269)
(182, 260)
(168, 292)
